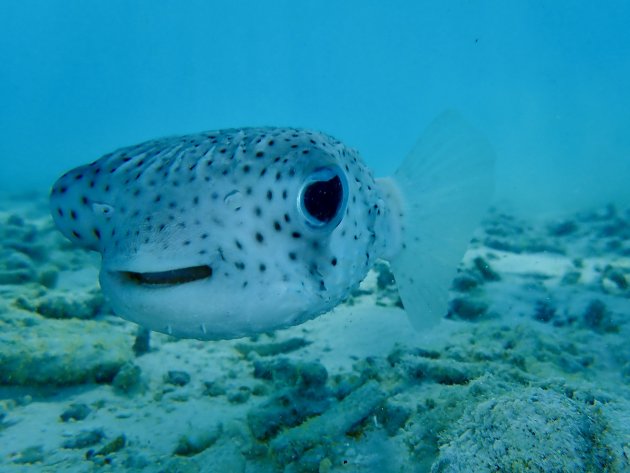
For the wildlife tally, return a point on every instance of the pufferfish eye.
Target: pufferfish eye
(323, 197)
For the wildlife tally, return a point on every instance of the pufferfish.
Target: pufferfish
(225, 234)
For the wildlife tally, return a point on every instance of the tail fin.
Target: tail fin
(444, 186)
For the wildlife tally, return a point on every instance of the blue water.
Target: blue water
(546, 81)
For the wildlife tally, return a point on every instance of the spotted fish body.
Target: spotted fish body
(230, 233)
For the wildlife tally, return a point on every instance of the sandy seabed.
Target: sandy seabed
(530, 370)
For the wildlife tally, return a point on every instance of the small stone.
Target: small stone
(485, 269)
(194, 443)
(64, 306)
(115, 445)
(465, 282)
(273, 349)
(29, 455)
(616, 277)
(177, 378)
(468, 309)
(563, 228)
(239, 396)
(385, 276)
(571, 277)
(141, 344)
(597, 317)
(214, 388)
(75, 412)
(393, 416)
(128, 378)
(48, 277)
(545, 311)
(15, 220)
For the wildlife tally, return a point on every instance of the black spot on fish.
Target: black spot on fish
(259, 237)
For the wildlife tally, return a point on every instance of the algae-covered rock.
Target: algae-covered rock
(333, 424)
(528, 430)
(57, 352)
(80, 305)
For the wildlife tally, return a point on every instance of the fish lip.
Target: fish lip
(167, 278)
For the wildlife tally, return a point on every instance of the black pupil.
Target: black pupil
(322, 199)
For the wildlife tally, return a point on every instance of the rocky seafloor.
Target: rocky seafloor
(529, 372)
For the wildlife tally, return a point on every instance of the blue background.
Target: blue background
(548, 82)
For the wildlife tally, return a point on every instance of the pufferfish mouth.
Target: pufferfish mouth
(170, 277)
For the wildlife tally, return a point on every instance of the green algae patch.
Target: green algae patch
(56, 352)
